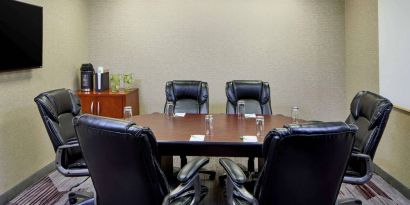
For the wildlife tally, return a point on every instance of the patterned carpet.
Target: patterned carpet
(54, 188)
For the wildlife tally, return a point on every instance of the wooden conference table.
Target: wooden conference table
(173, 134)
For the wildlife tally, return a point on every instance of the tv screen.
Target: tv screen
(21, 35)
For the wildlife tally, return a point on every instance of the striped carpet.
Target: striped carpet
(54, 188)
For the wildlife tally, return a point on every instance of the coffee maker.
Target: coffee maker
(87, 77)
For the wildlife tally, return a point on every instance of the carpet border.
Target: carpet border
(20, 187)
(400, 187)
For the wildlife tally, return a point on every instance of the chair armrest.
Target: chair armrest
(369, 170)
(63, 170)
(188, 176)
(191, 169)
(233, 170)
(235, 183)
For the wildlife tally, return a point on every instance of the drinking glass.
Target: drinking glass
(260, 123)
(169, 109)
(294, 114)
(127, 113)
(240, 108)
(209, 124)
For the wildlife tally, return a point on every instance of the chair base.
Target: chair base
(79, 197)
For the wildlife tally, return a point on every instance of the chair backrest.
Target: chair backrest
(122, 161)
(57, 109)
(255, 93)
(188, 96)
(305, 164)
(370, 113)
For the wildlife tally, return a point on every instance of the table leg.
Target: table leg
(167, 165)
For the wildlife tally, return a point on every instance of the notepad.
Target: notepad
(250, 115)
(249, 139)
(197, 138)
(180, 114)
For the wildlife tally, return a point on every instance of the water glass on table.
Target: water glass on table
(209, 125)
(240, 109)
(128, 113)
(294, 114)
(260, 123)
(169, 109)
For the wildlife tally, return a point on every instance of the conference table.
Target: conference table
(173, 134)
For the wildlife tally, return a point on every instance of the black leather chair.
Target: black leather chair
(305, 164)
(370, 113)
(190, 97)
(122, 159)
(57, 109)
(256, 95)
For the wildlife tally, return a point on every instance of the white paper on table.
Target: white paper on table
(250, 115)
(180, 114)
(249, 139)
(197, 138)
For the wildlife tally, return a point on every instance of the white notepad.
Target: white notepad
(249, 139)
(180, 114)
(250, 115)
(197, 138)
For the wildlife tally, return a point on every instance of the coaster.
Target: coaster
(250, 115)
(249, 139)
(197, 138)
(180, 114)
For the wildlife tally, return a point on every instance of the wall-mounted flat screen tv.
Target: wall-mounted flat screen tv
(21, 35)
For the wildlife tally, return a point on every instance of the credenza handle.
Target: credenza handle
(92, 107)
(98, 107)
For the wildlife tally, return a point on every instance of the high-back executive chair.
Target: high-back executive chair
(189, 96)
(256, 95)
(57, 109)
(304, 164)
(370, 113)
(122, 159)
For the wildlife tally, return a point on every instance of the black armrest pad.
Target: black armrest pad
(233, 170)
(190, 169)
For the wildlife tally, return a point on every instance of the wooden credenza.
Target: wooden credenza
(109, 104)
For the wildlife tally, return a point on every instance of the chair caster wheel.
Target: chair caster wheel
(72, 199)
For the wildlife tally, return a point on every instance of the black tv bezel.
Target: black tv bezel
(11, 69)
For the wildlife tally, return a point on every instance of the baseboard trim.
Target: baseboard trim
(392, 181)
(13, 192)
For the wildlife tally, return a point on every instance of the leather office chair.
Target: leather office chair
(370, 113)
(256, 95)
(57, 109)
(189, 97)
(122, 159)
(304, 164)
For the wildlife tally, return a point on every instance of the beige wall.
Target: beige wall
(24, 144)
(296, 45)
(362, 73)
